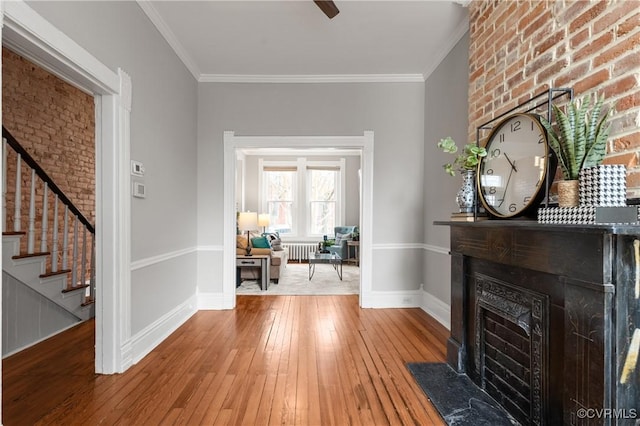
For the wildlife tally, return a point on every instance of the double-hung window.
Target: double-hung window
(303, 197)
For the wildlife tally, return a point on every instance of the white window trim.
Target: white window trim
(300, 213)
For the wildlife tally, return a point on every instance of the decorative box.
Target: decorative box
(604, 185)
(588, 215)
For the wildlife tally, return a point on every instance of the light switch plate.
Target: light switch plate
(137, 168)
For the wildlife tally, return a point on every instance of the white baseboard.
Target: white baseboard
(437, 309)
(215, 301)
(392, 299)
(146, 340)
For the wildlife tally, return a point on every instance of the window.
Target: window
(279, 195)
(323, 189)
(303, 198)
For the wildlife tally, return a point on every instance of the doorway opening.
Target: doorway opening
(362, 145)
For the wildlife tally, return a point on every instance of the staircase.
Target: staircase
(47, 245)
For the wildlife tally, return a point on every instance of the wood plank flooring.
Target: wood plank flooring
(288, 360)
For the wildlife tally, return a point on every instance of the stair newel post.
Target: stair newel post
(54, 242)
(74, 262)
(4, 185)
(65, 239)
(32, 215)
(92, 272)
(45, 219)
(83, 269)
(18, 202)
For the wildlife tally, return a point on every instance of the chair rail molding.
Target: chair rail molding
(364, 144)
(33, 37)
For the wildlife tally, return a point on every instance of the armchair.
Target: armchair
(342, 235)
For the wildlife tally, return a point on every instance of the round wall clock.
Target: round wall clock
(511, 178)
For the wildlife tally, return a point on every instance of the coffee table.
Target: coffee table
(327, 258)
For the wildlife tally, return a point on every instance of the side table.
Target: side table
(257, 260)
(356, 258)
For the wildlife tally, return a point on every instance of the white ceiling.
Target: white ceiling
(292, 40)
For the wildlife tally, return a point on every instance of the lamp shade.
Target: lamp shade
(248, 221)
(263, 219)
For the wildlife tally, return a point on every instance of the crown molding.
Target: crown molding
(169, 36)
(329, 78)
(459, 32)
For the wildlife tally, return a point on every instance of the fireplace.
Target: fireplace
(511, 347)
(542, 318)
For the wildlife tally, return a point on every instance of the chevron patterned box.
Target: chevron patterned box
(604, 185)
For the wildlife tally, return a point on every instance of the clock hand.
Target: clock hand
(504, 194)
(513, 164)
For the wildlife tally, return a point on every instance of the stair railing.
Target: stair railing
(78, 268)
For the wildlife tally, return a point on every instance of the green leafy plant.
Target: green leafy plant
(468, 159)
(579, 137)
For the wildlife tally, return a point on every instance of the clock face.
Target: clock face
(511, 177)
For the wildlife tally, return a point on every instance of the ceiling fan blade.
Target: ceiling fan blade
(328, 7)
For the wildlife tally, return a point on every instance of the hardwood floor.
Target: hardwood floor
(291, 360)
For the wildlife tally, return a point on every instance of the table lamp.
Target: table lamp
(263, 220)
(248, 221)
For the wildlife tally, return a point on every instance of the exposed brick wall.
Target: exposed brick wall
(55, 123)
(521, 48)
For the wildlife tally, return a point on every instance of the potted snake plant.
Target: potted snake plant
(579, 140)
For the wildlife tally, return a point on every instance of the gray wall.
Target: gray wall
(163, 137)
(446, 112)
(352, 190)
(394, 111)
(28, 317)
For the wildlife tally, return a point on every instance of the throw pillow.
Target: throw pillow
(241, 242)
(342, 237)
(260, 242)
(274, 240)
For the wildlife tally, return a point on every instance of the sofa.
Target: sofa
(278, 256)
(342, 234)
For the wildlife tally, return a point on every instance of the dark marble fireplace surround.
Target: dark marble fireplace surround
(542, 318)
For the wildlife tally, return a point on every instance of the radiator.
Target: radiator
(300, 251)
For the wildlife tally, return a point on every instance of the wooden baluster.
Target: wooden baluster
(65, 239)
(54, 242)
(74, 262)
(92, 272)
(16, 212)
(45, 219)
(32, 215)
(4, 185)
(83, 269)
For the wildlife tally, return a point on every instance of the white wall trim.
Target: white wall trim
(459, 32)
(143, 263)
(213, 301)
(320, 78)
(152, 335)
(437, 309)
(436, 249)
(30, 35)
(170, 37)
(394, 299)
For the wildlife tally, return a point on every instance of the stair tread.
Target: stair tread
(88, 302)
(27, 255)
(53, 274)
(13, 233)
(78, 287)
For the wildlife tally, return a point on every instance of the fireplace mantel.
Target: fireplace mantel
(587, 276)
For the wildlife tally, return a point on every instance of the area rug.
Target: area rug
(295, 281)
(458, 400)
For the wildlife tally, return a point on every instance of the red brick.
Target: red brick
(630, 24)
(628, 102)
(628, 142)
(624, 46)
(597, 45)
(620, 86)
(629, 159)
(591, 81)
(588, 16)
(630, 63)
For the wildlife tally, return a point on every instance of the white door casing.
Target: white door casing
(232, 143)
